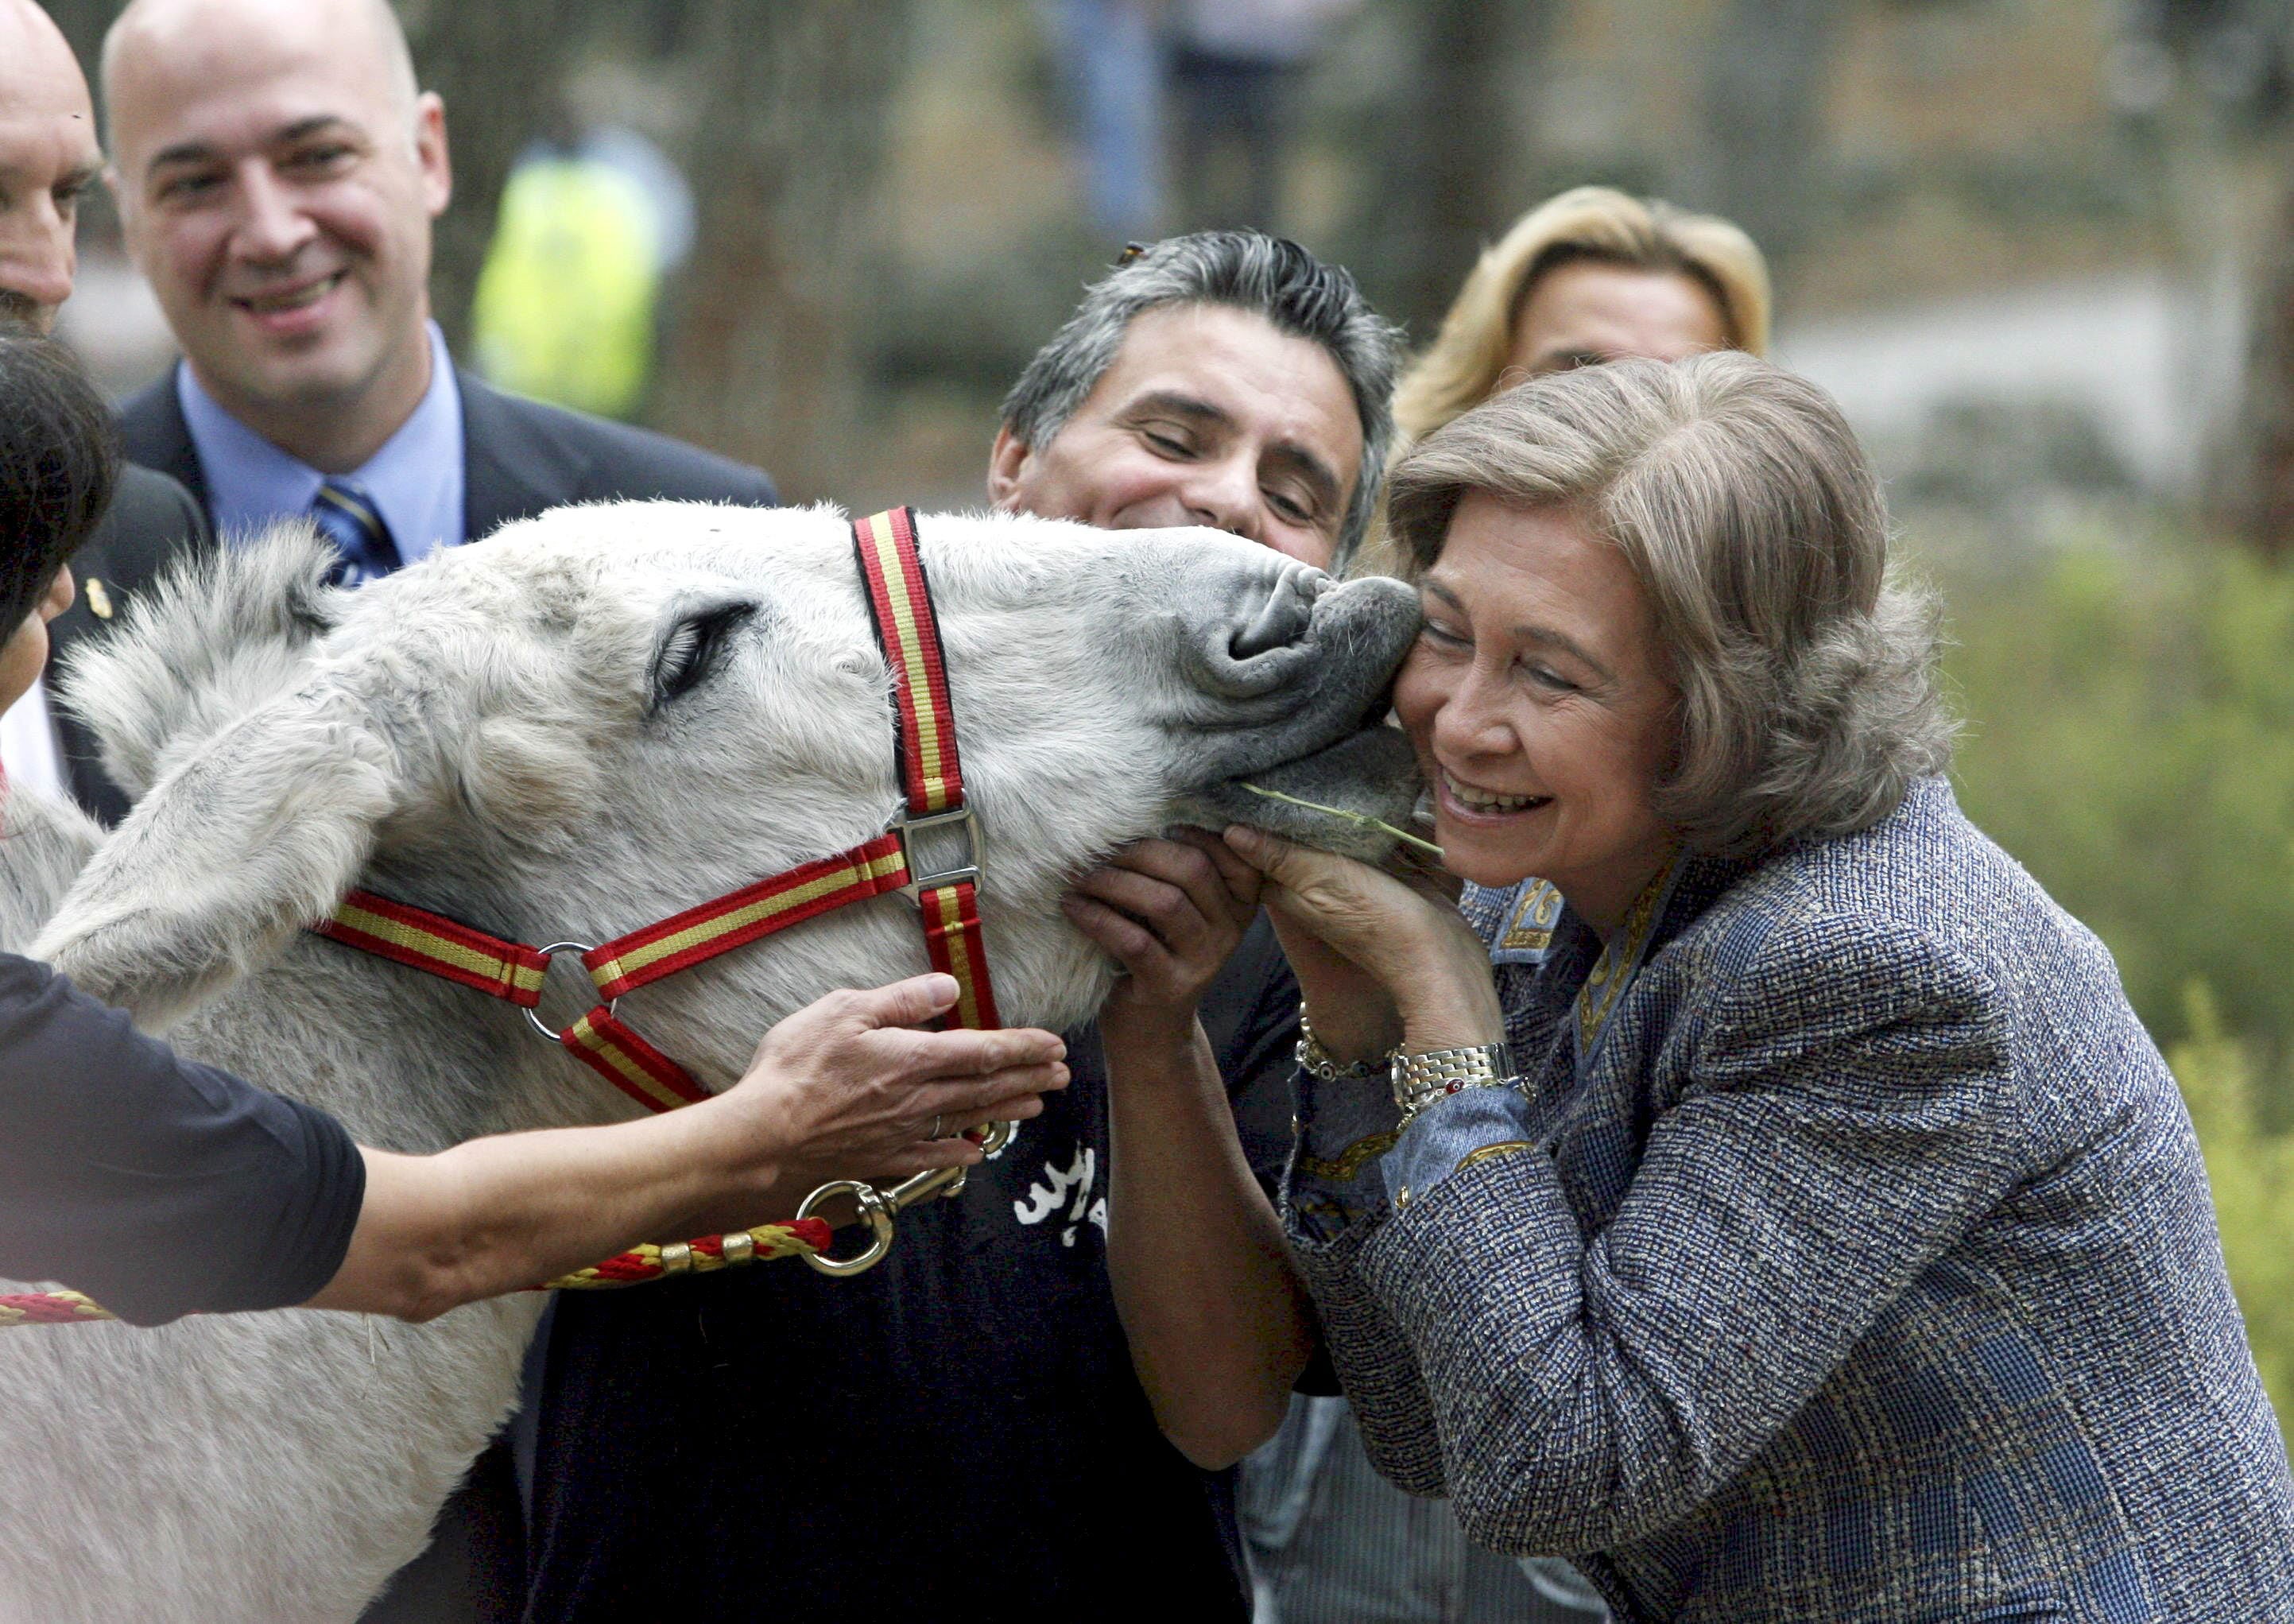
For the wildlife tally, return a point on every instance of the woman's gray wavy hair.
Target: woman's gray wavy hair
(1268, 276)
(1753, 521)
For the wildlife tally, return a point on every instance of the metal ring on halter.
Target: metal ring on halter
(876, 1210)
(533, 1016)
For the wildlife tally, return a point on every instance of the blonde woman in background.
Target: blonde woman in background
(1590, 276)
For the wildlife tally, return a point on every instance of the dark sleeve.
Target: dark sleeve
(639, 465)
(157, 1186)
(188, 519)
(1251, 1016)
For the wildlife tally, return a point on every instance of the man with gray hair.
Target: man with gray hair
(1226, 379)
(1032, 1407)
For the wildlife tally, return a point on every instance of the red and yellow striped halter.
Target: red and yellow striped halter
(900, 602)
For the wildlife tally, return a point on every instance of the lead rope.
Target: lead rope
(932, 778)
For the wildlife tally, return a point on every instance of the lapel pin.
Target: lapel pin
(99, 600)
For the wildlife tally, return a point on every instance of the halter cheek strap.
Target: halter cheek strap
(900, 605)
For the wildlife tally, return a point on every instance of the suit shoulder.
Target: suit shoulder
(151, 521)
(146, 410)
(621, 463)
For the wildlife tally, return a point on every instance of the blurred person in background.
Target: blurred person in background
(1758, 1187)
(278, 169)
(1110, 56)
(1592, 275)
(1234, 67)
(1030, 1407)
(594, 218)
(49, 158)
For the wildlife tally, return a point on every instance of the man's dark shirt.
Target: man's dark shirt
(959, 1433)
(157, 1186)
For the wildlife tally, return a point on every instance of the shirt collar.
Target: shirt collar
(415, 479)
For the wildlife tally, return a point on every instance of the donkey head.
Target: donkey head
(602, 716)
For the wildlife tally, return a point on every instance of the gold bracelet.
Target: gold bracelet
(1317, 1061)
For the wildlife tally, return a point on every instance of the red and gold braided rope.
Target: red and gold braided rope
(48, 1308)
(636, 1267)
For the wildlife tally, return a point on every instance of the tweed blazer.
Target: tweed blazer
(1863, 1269)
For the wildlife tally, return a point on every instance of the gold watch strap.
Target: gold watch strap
(1422, 1079)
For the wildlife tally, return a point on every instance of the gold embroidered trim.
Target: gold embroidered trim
(1350, 1161)
(1483, 1153)
(1530, 929)
(1618, 961)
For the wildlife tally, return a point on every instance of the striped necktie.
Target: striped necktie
(347, 516)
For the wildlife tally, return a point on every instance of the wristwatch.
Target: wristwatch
(1422, 1079)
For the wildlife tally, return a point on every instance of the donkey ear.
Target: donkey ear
(255, 836)
(218, 635)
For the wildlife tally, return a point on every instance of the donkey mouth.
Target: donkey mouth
(1348, 792)
(1336, 797)
(1332, 769)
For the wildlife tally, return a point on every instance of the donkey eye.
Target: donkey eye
(691, 652)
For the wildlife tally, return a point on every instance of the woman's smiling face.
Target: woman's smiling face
(1538, 701)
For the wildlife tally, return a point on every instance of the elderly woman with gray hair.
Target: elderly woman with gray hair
(1765, 1196)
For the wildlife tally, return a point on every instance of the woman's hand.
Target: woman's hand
(1171, 911)
(847, 1088)
(1380, 961)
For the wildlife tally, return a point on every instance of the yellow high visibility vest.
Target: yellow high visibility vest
(564, 309)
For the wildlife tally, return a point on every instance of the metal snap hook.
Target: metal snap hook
(877, 1210)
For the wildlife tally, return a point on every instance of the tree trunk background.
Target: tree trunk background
(1772, 64)
(1454, 161)
(761, 358)
(2256, 494)
(499, 68)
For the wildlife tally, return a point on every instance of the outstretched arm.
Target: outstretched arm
(841, 1089)
(1218, 1321)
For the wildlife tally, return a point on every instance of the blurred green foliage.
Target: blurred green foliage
(2130, 739)
(2252, 1173)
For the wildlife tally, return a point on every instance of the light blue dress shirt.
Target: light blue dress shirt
(415, 479)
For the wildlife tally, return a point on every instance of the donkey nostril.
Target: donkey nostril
(1282, 620)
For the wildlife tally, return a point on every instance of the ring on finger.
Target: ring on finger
(939, 1127)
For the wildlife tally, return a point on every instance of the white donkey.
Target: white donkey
(589, 722)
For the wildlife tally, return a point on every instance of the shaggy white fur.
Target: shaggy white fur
(504, 733)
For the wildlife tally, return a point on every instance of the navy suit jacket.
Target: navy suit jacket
(151, 519)
(519, 458)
